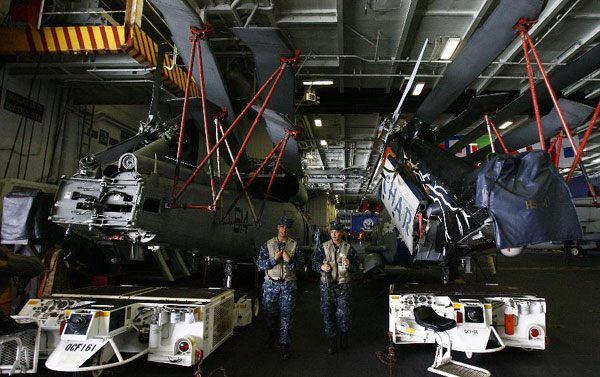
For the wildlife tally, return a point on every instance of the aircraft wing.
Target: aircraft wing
(575, 114)
(478, 106)
(277, 124)
(180, 17)
(268, 46)
(479, 51)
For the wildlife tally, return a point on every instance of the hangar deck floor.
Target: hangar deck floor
(573, 321)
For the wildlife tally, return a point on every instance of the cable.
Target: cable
(31, 134)
(174, 62)
(12, 149)
(58, 129)
(50, 122)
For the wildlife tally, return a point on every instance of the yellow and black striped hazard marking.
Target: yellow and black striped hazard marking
(93, 40)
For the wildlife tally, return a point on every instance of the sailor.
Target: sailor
(280, 258)
(335, 260)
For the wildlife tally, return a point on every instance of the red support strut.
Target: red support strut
(584, 141)
(523, 26)
(285, 141)
(186, 97)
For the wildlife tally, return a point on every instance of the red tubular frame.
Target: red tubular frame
(583, 142)
(522, 26)
(229, 130)
(281, 69)
(203, 34)
(260, 168)
(204, 112)
(186, 97)
(559, 149)
(552, 94)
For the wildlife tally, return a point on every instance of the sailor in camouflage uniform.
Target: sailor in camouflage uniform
(280, 258)
(335, 260)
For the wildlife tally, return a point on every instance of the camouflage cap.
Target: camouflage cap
(286, 221)
(336, 225)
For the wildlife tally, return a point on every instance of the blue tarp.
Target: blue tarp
(528, 200)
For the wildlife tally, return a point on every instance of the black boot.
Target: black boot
(332, 345)
(270, 343)
(285, 351)
(343, 340)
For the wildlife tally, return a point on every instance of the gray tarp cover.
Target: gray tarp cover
(528, 200)
(25, 216)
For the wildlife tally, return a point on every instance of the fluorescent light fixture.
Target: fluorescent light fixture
(473, 144)
(594, 161)
(318, 123)
(418, 88)
(505, 125)
(449, 48)
(324, 143)
(317, 82)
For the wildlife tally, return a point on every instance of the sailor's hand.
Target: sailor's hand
(326, 267)
(346, 262)
(286, 257)
(278, 255)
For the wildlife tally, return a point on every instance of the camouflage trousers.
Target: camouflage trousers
(335, 308)
(278, 302)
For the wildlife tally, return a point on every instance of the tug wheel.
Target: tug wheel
(255, 307)
(576, 250)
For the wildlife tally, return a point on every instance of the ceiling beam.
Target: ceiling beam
(579, 84)
(333, 171)
(406, 20)
(548, 15)
(477, 18)
(332, 180)
(316, 16)
(340, 40)
(573, 50)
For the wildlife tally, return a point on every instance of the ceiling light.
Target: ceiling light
(317, 82)
(473, 144)
(418, 88)
(308, 155)
(505, 125)
(324, 143)
(318, 123)
(595, 160)
(449, 48)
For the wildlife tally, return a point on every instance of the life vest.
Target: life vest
(280, 271)
(339, 274)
